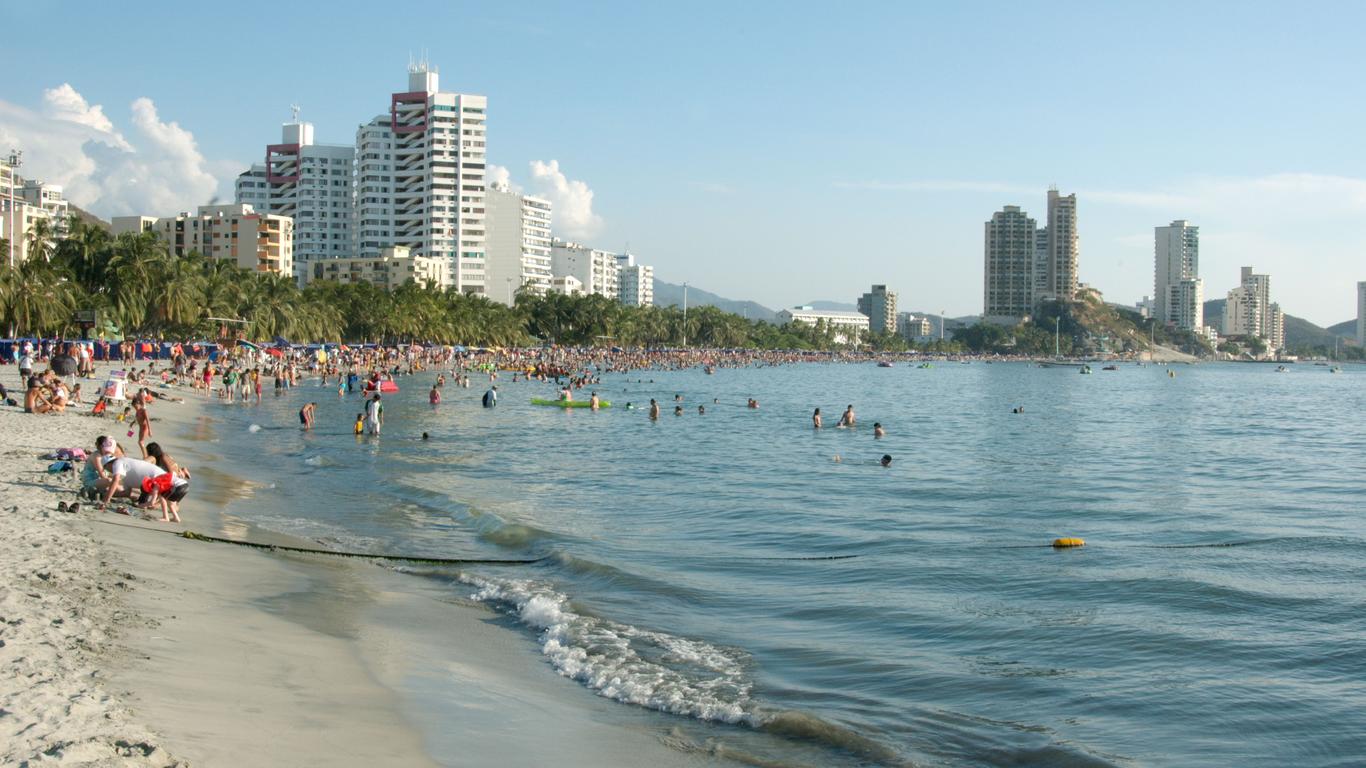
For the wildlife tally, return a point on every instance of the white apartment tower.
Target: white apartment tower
(1008, 274)
(1361, 313)
(1176, 276)
(1250, 312)
(310, 183)
(635, 282)
(595, 270)
(879, 306)
(1064, 247)
(518, 253)
(419, 179)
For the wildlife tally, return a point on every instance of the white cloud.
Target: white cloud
(156, 168)
(499, 176)
(572, 200)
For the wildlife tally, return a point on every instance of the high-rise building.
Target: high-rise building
(260, 242)
(879, 306)
(595, 270)
(1249, 311)
(310, 183)
(1064, 247)
(913, 328)
(1040, 266)
(420, 180)
(23, 202)
(1008, 275)
(635, 282)
(518, 253)
(1176, 259)
(1361, 313)
(1185, 303)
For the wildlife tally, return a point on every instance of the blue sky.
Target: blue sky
(776, 151)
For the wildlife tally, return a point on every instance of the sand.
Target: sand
(123, 645)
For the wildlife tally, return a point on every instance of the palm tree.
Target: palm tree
(41, 237)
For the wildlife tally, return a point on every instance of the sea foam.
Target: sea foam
(625, 663)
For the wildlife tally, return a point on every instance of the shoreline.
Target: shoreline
(161, 651)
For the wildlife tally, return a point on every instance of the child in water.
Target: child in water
(360, 423)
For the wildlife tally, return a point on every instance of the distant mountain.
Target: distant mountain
(669, 294)
(1298, 331)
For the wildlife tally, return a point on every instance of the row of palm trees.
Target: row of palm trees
(139, 288)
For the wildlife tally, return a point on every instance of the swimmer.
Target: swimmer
(701, 410)
(678, 398)
(878, 430)
(847, 420)
(425, 436)
(816, 419)
(594, 402)
(886, 460)
(435, 397)
(654, 410)
(678, 410)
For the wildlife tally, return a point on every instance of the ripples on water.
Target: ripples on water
(680, 577)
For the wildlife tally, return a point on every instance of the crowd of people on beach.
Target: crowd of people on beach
(239, 374)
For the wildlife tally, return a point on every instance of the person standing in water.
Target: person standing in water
(847, 420)
(435, 397)
(816, 419)
(374, 415)
(878, 432)
(594, 402)
(491, 397)
(654, 410)
(306, 415)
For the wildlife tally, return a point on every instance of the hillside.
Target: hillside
(88, 217)
(670, 294)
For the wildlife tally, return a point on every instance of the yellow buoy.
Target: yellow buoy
(1065, 543)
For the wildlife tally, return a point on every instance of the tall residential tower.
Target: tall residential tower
(1009, 280)
(1178, 294)
(518, 245)
(879, 304)
(420, 179)
(310, 183)
(1064, 249)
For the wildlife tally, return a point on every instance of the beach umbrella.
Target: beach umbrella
(275, 351)
(64, 365)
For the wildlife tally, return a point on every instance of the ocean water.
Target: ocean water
(763, 600)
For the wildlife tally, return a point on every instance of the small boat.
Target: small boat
(1110, 368)
(884, 364)
(924, 365)
(385, 387)
(1335, 369)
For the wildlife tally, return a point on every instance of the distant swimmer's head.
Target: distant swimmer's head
(425, 436)
(886, 459)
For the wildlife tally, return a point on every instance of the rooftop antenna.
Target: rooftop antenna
(294, 110)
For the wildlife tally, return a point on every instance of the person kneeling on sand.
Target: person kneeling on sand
(170, 500)
(130, 475)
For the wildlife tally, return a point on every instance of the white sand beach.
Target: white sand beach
(124, 645)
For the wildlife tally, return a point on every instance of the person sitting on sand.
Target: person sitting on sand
(34, 399)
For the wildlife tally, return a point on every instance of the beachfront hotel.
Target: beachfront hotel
(846, 326)
(310, 183)
(1178, 291)
(595, 270)
(879, 304)
(260, 242)
(24, 202)
(394, 266)
(518, 253)
(420, 181)
(1008, 276)
(1064, 249)
(635, 282)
